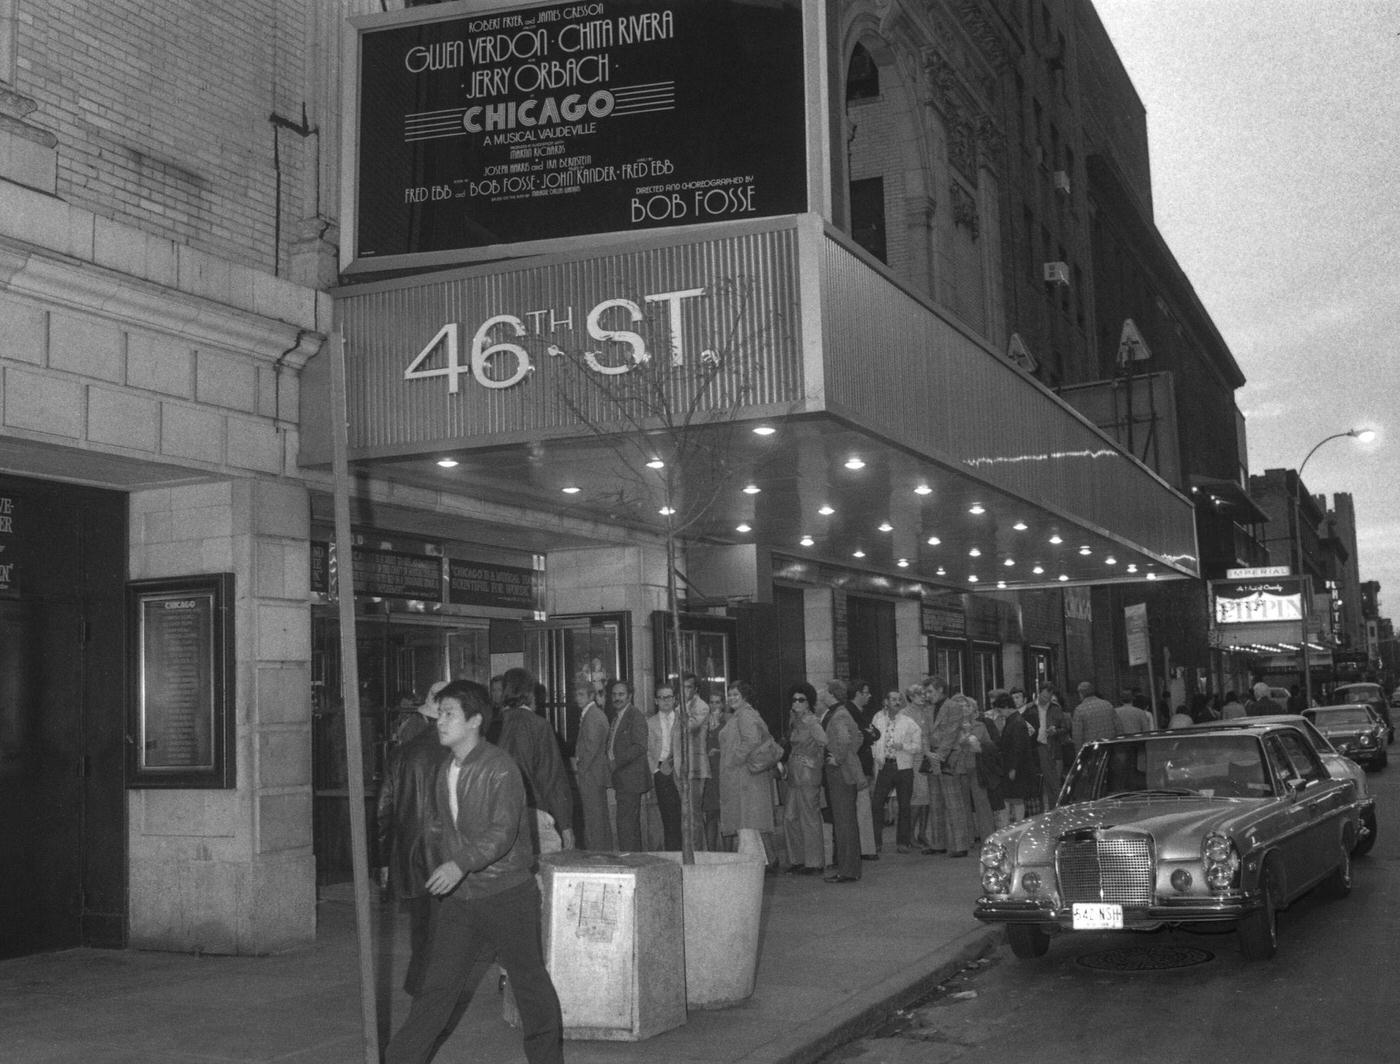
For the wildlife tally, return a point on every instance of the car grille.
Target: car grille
(1114, 868)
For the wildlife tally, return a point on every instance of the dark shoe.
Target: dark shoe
(798, 870)
(810, 871)
(931, 851)
(841, 879)
(958, 853)
(870, 857)
(901, 849)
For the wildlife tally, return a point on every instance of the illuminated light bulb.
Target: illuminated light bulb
(1063, 576)
(934, 541)
(743, 528)
(806, 541)
(1085, 551)
(942, 571)
(885, 526)
(857, 553)
(855, 462)
(751, 489)
(1009, 562)
(1110, 560)
(972, 578)
(826, 510)
(447, 463)
(1055, 539)
(1020, 526)
(764, 430)
(1038, 570)
(666, 511)
(1152, 576)
(1001, 585)
(1132, 568)
(903, 563)
(571, 490)
(975, 552)
(656, 463)
(977, 508)
(923, 489)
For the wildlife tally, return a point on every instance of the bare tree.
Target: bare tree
(669, 414)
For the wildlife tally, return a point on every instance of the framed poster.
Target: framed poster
(181, 714)
(707, 648)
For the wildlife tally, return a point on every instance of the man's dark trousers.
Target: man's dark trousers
(668, 804)
(463, 932)
(845, 829)
(901, 781)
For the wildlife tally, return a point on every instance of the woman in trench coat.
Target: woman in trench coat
(745, 798)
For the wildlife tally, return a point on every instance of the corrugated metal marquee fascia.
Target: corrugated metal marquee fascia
(895, 366)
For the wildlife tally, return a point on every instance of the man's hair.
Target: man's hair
(938, 682)
(836, 689)
(517, 687)
(665, 685)
(619, 682)
(474, 699)
(688, 677)
(857, 686)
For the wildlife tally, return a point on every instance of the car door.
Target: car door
(1311, 850)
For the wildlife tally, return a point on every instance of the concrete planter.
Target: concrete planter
(722, 901)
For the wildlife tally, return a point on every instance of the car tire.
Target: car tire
(1258, 931)
(1028, 941)
(1338, 884)
(1364, 843)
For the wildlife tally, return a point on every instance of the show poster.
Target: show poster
(545, 122)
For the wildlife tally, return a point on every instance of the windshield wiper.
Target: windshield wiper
(1178, 792)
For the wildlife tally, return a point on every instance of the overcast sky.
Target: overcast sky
(1273, 127)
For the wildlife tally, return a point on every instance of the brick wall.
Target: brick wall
(161, 109)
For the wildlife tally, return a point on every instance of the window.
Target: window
(868, 215)
(863, 76)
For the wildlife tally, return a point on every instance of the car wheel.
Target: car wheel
(1368, 835)
(1339, 882)
(1259, 930)
(1028, 941)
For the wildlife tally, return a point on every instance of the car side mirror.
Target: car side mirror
(1295, 786)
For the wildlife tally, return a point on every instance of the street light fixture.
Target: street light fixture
(1364, 436)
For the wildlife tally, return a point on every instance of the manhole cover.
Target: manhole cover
(1145, 958)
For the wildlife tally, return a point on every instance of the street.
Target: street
(1327, 996)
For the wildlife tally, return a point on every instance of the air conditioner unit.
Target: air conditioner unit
(1060, 179)
(1057, 273)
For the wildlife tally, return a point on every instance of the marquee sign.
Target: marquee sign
(1253, 601)
(527, 124)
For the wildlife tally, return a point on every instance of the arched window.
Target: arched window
(862, 77)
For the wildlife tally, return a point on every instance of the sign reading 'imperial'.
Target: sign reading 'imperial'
(550, 122)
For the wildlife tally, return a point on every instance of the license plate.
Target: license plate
(1094, 916)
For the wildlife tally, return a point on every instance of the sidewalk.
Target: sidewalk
(829, 955)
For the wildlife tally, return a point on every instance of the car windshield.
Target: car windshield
(1360, 692)
(1345, 717)
(1187, 765)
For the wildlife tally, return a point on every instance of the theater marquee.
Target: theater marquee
(539, 124)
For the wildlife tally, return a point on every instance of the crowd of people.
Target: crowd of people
(477, 787)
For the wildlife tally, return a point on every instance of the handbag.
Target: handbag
(764, 756)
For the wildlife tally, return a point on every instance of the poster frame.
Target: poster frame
(217, 771)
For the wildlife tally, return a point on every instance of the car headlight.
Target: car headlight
(1366, 740)
(996, 868)
(1222, 861)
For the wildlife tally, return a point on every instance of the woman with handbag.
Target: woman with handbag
(746, 777)
(802, 819)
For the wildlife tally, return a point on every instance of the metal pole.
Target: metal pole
(350, 694)
(1303, 582)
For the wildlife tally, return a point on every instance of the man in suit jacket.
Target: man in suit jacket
(664, 737)
(593, 773)
(843, 777)
(627, 754)
(487, 900)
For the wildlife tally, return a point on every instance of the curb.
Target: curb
(867, 1009)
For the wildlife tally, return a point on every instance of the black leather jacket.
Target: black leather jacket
(491, 839)
(407, 811)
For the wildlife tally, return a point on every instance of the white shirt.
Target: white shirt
(453, 774)
(668, 722)
(900, 738)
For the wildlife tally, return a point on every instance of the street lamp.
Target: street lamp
(1365, 436)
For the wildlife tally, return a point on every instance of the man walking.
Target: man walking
(486, 900)
(627, 755)
(406, 812)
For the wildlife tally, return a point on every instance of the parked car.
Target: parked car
(1373, 695)
(1355, 730)
(1184, 828)
(1339, 767)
